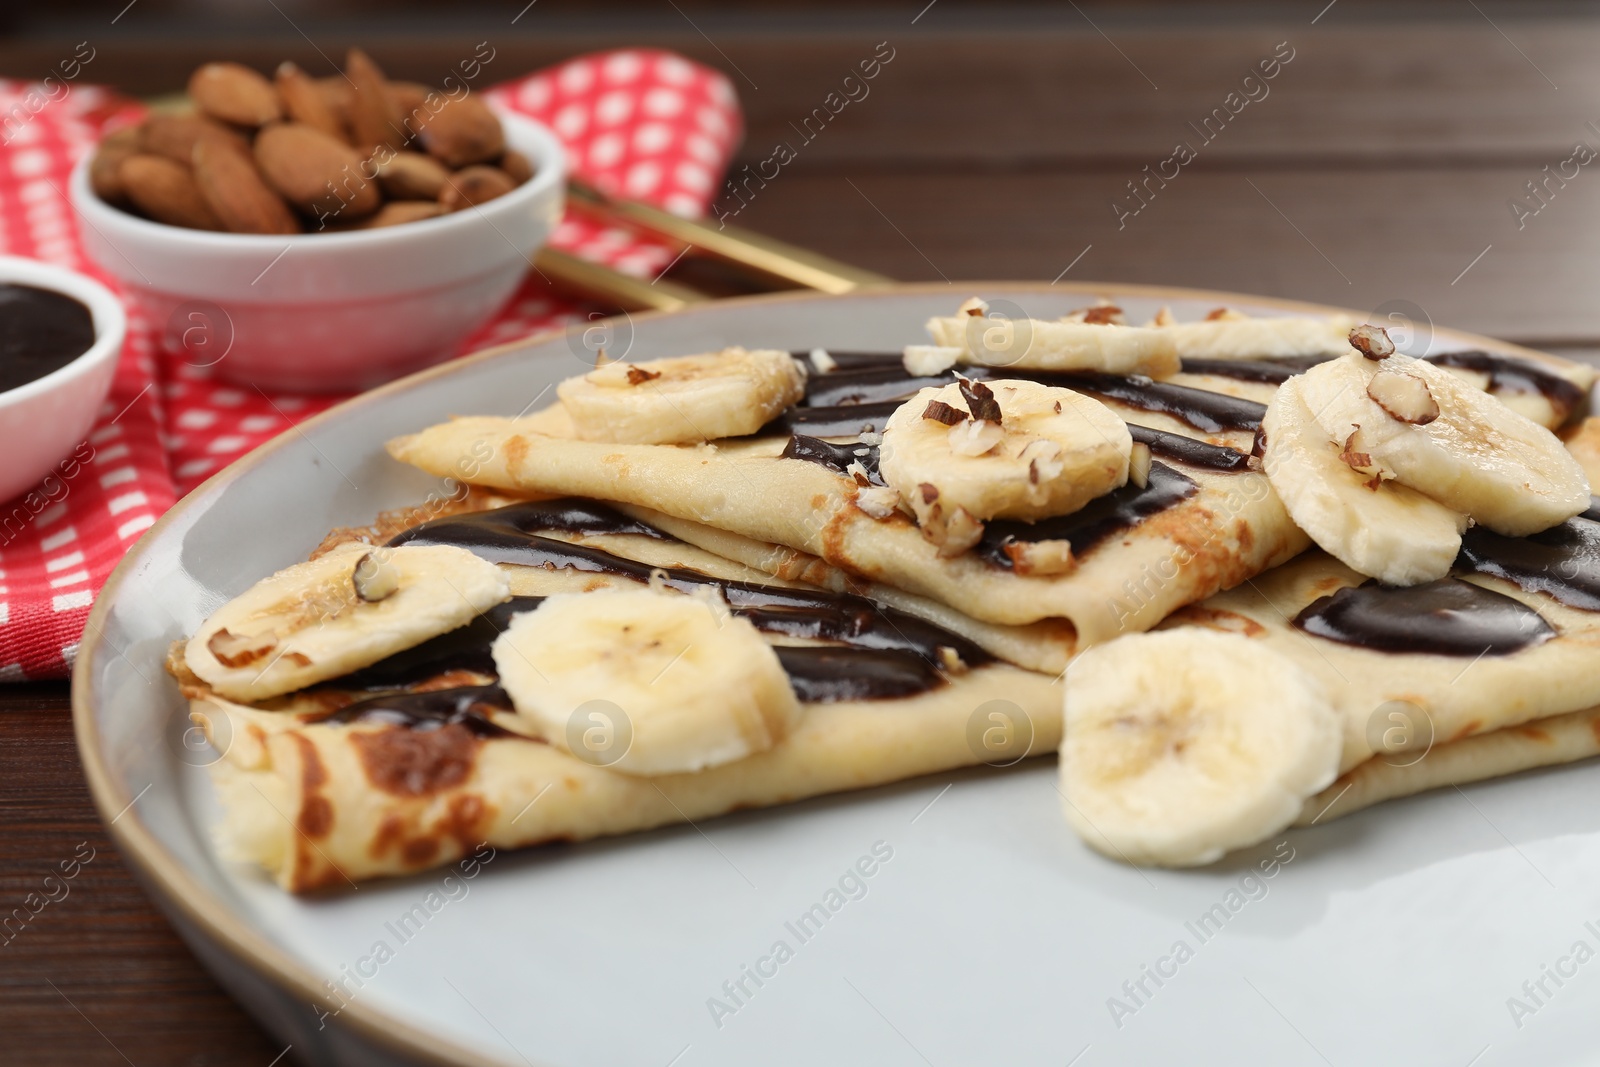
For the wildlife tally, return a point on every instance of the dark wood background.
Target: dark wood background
(1380, 167)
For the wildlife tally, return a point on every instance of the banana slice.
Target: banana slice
(1380, 528)
(1098, 344)
(645, 682)
(1230, 335)
(1442, 437)
(683, 399)
(1000, 449)
(338, 613)
(1184, 744)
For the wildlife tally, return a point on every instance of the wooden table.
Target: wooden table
(1377, 169)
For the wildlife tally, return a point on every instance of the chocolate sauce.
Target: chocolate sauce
(470, 706)
(1593, 514)
(465, 648)
(40, 331)
(846, 420)
(1448, 617)
(837, 458)
(852, 360)
(872, 385)
(1270, 370)
(1101, 518)
(1563, 561)
(505, 535)
(1204, 410)
(1512, 375)
(1181, 449)
(822, 675)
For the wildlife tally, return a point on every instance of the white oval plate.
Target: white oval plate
(986, 933)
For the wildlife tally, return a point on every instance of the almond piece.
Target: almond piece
(412, 176)
(1139, 465)
(1372, 341)
(105, 176)
(234, 93)
(519, 166)
(174, 136)
(474, 185)
(236, 191)
(304, 102)
(315, 172)
(1040, 558)
(374, 120)
(463, 132)
(167, 192)
(1404, 396)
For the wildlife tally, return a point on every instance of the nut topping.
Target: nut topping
(638, 375)
(237, 650)
(1404, 396)
(1040, 558)
(1139, 464)
(1372, 341)
(375, 577)
(975, 438)
(939, 411)
(980, 400)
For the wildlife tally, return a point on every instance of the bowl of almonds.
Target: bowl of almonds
(320, 234)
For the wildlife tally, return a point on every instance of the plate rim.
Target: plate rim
(162, 872)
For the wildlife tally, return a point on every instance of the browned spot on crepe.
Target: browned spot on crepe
(1534, 733)
(1217, 619)
(1467, 729)
(390, 524)
(316, 814)
(415, 763)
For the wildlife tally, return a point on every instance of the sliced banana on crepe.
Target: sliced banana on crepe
(1228, 334)
(973, 451)
(683, 399)
(1438, 434)
(645, 682)
(1380, 528)
(338, 613)
(1089, 341)
(1182, 745)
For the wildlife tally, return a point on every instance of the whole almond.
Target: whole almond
(316, 173)
(174, 136)
(474, 185)
(167, 192)
(519, 166)
(412, 176)
(401, 211)
(410, 99)
(105, 176)
(463, 132)
(234, 93)
(303, 101)
(337, 92)
(374, 119)
(235, 190)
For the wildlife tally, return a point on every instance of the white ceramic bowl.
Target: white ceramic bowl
(332, 311)
(43, 421)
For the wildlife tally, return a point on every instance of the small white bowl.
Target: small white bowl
(42, 421)
(331, 311)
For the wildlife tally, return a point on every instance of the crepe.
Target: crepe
(1544, 743)
(1440, 699)
(1230, 528)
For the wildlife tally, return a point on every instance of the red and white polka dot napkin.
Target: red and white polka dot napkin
(644, 124)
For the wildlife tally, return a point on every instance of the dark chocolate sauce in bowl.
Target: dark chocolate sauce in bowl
(1448, 617)
(41, 331)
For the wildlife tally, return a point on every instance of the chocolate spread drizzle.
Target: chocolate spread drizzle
(1511, 375)
(1175, 446)
(1271, 370)
(469, 706)
(1204, 410)
(1563, 561)
(880, 648)
(837, 458)
(1448, 617)
(1101, 518)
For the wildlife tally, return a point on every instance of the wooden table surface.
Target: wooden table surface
(1381, 164)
